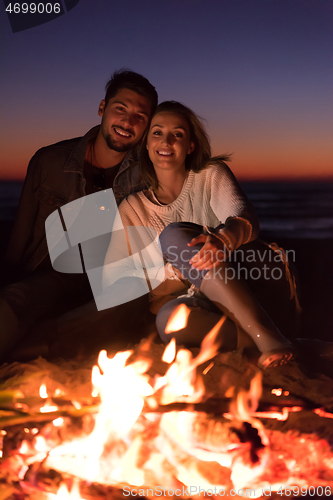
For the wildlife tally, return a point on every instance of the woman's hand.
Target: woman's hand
(211, 254)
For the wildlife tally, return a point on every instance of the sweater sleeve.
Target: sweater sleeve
(239, 222)
(133, 251)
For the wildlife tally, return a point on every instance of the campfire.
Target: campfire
(151, 423)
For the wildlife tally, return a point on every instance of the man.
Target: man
(105, 157)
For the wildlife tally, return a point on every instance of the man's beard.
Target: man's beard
(116, 146)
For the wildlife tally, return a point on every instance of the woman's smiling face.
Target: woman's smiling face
(169, 141)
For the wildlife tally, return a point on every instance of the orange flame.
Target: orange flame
(178, 319)
(169, 352)
(64, 494)
(246, 404)
(43, 392)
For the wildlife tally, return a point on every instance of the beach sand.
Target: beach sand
(314, 264)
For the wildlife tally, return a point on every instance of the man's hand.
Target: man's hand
(211, 254)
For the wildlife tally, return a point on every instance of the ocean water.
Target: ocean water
(10, 192)
(293, 209)
(285, 209)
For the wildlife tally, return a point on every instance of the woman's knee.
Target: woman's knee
(174, 241)
(179, 234)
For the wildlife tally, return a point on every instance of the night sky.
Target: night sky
(258, 71)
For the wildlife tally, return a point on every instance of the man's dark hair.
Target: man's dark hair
(125, 79)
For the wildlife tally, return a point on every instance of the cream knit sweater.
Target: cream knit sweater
(208, 198)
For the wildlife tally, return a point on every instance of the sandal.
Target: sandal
(276, 357)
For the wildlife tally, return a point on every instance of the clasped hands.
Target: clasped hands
(212, 253)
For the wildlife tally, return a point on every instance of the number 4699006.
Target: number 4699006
(33, 8)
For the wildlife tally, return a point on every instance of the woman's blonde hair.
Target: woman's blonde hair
(200, 156)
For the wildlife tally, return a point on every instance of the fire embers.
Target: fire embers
(151, 422)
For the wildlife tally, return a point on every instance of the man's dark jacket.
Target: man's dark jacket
(54, 178)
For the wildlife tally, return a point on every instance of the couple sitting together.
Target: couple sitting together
(193, 203)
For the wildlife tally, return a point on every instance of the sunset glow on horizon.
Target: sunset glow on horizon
(259, 73)
(247, 165)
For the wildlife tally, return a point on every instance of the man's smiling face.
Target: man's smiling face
(124, 119)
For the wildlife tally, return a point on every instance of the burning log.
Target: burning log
(220, 406)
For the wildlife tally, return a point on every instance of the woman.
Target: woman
(202, 217)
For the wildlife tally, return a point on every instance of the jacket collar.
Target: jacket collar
(75, 160)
